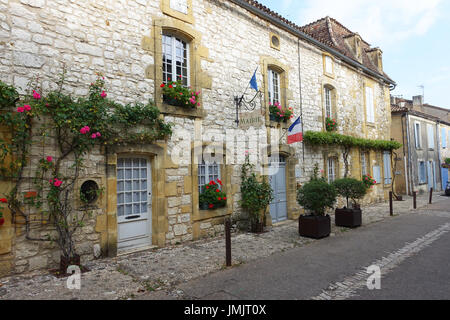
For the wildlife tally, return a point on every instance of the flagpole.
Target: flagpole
(238, 101)
(248, 85)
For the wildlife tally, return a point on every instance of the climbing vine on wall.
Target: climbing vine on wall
(330, 138)
(76, 125)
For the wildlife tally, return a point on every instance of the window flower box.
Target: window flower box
(280, 114)
(330, 124)
(212, 197)
(175, 94)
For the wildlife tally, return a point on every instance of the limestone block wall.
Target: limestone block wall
(21, 254)
(122, 40)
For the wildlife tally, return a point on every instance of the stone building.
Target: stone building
(321, 70)
(423, 131)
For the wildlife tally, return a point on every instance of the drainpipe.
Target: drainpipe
(301, 99)
(410, 169)
(438, 136)
(405, 165)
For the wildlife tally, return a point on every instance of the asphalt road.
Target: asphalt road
(416, 246)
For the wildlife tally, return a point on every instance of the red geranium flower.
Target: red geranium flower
(3, 200)
(170, 86)
(211, 206)
(217, 190)
(219, 181)
(162, 85)
(219, 198)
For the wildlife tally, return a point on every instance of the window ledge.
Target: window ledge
(180, 111)
(282, 125)
(208, 214)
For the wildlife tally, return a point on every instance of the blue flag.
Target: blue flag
(253, 82)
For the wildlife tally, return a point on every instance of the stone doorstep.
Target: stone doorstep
(121, 253)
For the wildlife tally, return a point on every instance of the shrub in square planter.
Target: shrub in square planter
(350, 189)
(316, 196)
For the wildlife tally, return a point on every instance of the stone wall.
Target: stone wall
(122, 40)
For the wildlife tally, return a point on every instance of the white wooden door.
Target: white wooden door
(134, 202)
(277, 177)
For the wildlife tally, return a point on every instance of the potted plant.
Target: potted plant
(2, 219)
(316, 196)
(330, 124)
(353, 189)
(278, 113)
(176, 94)
(212, 197)
(256, 196)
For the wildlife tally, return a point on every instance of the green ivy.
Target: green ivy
(331, 138)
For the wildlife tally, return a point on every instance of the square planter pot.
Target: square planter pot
(349, 218)
(314, 227)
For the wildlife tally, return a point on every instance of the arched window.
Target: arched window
(329, 101)
(175, 55)
(274, 86)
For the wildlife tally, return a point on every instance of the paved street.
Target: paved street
(410, 248)
(413, 251)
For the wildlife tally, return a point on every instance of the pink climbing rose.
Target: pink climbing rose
(20, 109)
(85, 130)
(103, 95)
(36, 95)
(27, 107)
(49, 159)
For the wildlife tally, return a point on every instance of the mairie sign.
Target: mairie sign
(250, 119)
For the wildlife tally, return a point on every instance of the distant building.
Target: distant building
(423, 130)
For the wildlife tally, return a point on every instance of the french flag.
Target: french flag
(295, 132)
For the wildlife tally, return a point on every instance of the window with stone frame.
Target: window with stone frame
(331, 163)
(417, 135)
(422, 173)
(207, 172)
(175, 55)
(179, 5)
(327, 91)
(274, 86)
(370, 107)
(328, 65)
(387, 167)
(364, 163)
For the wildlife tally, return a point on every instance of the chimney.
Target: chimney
(376, 56)
(353, 40)
(417, 101)
(393, 100)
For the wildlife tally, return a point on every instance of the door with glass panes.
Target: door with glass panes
(134, 202)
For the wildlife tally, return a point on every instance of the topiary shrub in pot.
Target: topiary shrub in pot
(353, 189)
(316, 196)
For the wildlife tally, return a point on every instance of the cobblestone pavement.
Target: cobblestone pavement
(155, 273)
